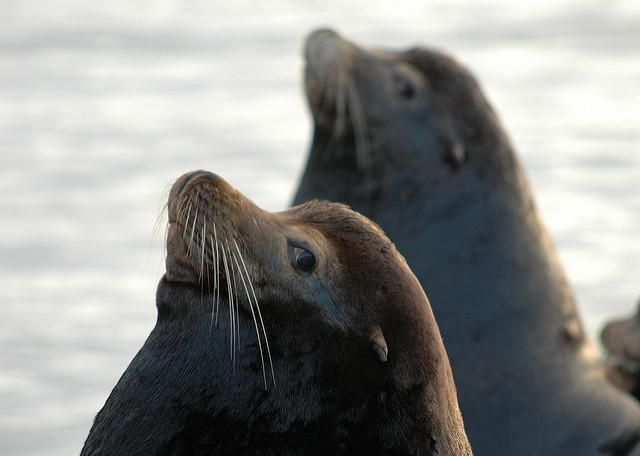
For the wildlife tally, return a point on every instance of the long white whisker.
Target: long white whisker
(186, 220)
(236, 315)
(204, 237)
(326, 98)
(266, 339)
(215, 281)
(217, 271)
(340, 105)
(162, 220)
(165, 240)
(255, 322)
(159, 220)
(184, 203)
(237, 303)
(360, 129)
(193, 230)
(231, 316)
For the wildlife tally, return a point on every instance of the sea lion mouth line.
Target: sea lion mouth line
(211, 249)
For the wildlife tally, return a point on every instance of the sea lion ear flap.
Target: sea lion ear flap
(378, 343)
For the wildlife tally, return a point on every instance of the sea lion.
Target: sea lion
(621, 341)
(408, 139)
(302, 332)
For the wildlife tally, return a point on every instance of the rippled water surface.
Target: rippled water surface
(104, 104)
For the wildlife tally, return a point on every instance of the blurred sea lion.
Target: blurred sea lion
(621, 340)
(408, 139)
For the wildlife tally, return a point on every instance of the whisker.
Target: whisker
(159, 220)
(264, 331)
(195, 219)
(335, 149)
(341, 105)
(162, 204)
(236, 315)
(255, 322)
(204, 237)
(193, 230)
(184, 203)
(164, 242)
(215, 282)
(217, 274)
(231, 316)
(203, 240)
(360, 129)
(237, 306)
(186, 220)
(326, 100)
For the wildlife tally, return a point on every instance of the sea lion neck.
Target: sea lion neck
(416, 175)
(197, 390)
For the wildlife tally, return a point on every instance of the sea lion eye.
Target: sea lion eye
(302, 259)
(404, 87)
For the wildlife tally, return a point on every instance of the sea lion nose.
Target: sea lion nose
(183, 180)
(323, 46)
(179, 185)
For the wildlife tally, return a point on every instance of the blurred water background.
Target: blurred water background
(104, 104)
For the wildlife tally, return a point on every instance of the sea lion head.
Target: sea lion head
(621, 341)
(382, 117)
(301, 262)
(309, 316)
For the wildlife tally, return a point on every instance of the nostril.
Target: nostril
(323, 46)
(186, 178)
(178, 187)
(322, 33)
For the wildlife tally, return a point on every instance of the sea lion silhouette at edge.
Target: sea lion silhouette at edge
(408, 139)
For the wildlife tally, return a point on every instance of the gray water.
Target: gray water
(104, 104)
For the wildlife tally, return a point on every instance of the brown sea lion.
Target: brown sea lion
(302, 332)
(408, 139)
(621, 340)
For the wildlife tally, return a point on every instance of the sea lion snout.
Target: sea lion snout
(327, 57)
(179, 185)
(201, 209)
(182, 181)
(324, 52)
(323, 47)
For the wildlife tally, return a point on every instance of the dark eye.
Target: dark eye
(404, 87)
(302, 259)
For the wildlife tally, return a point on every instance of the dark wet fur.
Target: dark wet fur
(167, 402)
